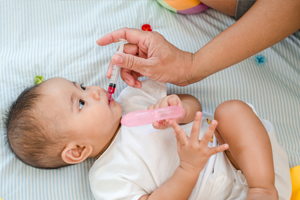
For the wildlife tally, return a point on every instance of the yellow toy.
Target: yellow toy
(295, 176)
(183, 6)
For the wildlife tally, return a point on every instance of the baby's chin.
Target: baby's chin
(117, 106)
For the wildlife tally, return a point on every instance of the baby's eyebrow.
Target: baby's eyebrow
(72, 102)
(74, 83)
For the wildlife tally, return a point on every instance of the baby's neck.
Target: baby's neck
(109, 142)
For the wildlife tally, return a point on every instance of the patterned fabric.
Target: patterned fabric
(58, 38)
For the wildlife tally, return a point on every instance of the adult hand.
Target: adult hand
(148, 54)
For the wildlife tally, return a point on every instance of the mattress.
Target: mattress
(58, 38)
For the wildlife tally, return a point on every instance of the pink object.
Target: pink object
(194, 10)
(143, 117)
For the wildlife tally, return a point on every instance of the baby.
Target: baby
(59, 122)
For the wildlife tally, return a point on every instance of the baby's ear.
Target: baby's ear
(74, 154)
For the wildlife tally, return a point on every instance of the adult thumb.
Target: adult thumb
(129, 62)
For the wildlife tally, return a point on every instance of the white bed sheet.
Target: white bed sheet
(58, 38)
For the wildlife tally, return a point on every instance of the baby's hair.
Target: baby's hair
(29, 136)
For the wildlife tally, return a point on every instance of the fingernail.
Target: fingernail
(118, 58)
(127, 82)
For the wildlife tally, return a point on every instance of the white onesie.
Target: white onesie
(142, 158)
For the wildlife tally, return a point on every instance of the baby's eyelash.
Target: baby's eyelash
(82, 87)
(81, 103)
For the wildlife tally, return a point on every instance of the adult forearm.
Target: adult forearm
(265, 24)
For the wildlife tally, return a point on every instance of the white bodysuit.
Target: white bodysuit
(140, 159)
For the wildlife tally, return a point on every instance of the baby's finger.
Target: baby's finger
(174, 101)
(150, 107)
(209, 132)
(156, 106)
(156, 125)
(178, 145)
(160, 124)
(196, 128)
(181, 135)
(163, 104)
(218, 149)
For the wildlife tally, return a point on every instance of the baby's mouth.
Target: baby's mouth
(110, 100)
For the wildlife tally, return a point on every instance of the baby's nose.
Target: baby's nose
(95, 95)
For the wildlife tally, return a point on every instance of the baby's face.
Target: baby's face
(84, 112)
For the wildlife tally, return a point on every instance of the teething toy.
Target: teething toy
(143, 117)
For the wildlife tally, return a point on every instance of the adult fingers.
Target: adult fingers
(134, 63)
(128, 49)
(194, 137)
(137, 83)
(132, 49)
(133, 36)
(129, 78)
(180, 134)
(109, 71)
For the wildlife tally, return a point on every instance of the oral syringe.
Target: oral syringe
(115, 73)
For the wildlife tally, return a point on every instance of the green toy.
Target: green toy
(38, 79)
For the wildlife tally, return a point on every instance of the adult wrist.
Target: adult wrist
(187, 76)
(195, 69)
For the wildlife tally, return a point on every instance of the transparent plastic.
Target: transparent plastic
(116, 70)
(143, 117)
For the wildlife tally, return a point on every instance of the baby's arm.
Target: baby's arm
(194, 155)
(189, 103)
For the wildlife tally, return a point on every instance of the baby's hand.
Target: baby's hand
(170, 100)
(194, 153)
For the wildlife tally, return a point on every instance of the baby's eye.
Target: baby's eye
(81, 104)
(82, 87)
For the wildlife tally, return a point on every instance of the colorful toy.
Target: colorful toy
(146, 27)
(295, 177)
(38, 79)
(183, 6)
(260, 60)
